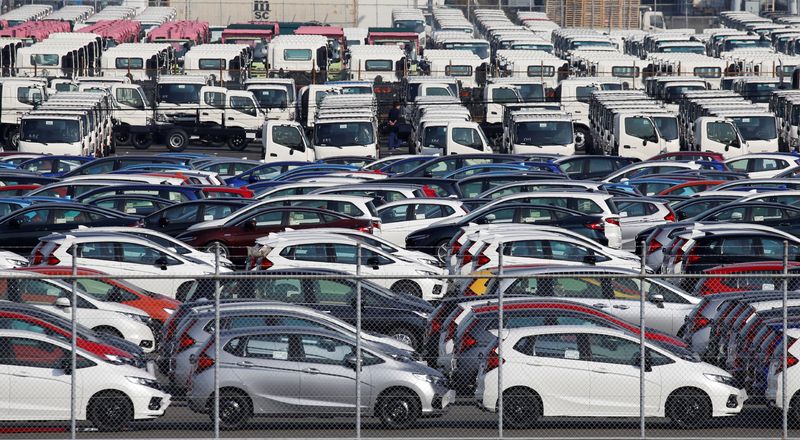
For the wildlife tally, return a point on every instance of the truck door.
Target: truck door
(212, 109)
(638, 138)
(130, 108)
(495, 98)
(718, 135)
(286, 141)
(241, 111)
(465, 138)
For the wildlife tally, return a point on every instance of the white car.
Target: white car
(400, 218)
(579, 371)
(9, 260)
(37, 386)
(121, 255)
(163, 240)
(537, 248)
(292, 189)
(774, 393)
(328, 252)
(55, 296)
(763, 165)
(642, 169)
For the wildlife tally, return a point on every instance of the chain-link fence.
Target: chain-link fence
(582, 352)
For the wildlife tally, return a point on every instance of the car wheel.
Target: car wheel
(141, 141)
(398, 409)
(405, 336)
(177, 140)
(521, 408)
(407, 287)
(108, 331)
(110, 411)
(223, 250)
(235, 409)
(688, 409)
(238, 141)
(442, 249)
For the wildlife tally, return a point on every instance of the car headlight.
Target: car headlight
(428, 273)
(436, 380)
(141, 318)
(168, 311)
(144, 381)
(725, 380)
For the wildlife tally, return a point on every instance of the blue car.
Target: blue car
(54, 166)
(522, 167)
(316, 169)
(264, 172)
(168, 192)
(11, 204)
(403, 165)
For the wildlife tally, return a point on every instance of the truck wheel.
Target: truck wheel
(583, 140)
(215, 140)
(237, 141)
(177, 140)
(122, 138)
(12, 138)
(141, 141)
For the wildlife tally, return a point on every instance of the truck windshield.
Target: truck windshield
(531, 92)
(759, 92)
(544, 133)
(179, 93)
(479, 49)
(270, 98)
(685, 49)
(42, 59)
(756, 128)
(340, 134)
(434, 137)
(417, 26)
(532, 46)
(746, 44)
(593, 43)
(50, 130)
(673, 93)
(667, 126)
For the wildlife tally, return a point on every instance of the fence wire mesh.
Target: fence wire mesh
(292, 351)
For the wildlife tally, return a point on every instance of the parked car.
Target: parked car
(177, 218)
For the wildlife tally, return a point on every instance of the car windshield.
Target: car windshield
(50, 130)
(544, 133)
(339, 134)
(179, 93)
(271, 98)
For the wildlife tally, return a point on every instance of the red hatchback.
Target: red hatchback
(761, 278)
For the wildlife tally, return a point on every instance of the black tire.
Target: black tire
(583, 141)
(407, 287)
(406, 336)
(215, 140)
(794, 410)
(122, 137)
(235, 409)
(108, 331)
(110, 411)
(442, 249)
(12, 139)
(521, 408)
(398, 409)
(224, 252)
(177, 140)
(141, 141)
(688, 409)
(238, 141)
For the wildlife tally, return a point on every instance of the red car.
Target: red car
(159, 307)
(17, 190)
(216, 192)
(760, 279)
(689, 188)
(242, 230)
(686, 156)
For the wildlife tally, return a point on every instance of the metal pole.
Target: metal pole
(563, 13)
(784, 399)
(358, 340)
(642, 352)
(686, 14)
(217, 331)
(73, 392)
(500, 328)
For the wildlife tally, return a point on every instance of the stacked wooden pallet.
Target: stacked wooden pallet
(622, 14)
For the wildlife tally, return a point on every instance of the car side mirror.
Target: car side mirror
(636, 362)
(161, 262)
(163, 222)
(14, 223)
(657, 299)
(489, 218)
(66, 365)
(250, 225)
(63, 302)
(374, 262)
(590, 259)
(350, 361)
(252, 179)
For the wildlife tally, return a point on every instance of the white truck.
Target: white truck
(346, 125)
(539, 132)
(302, 57)
(17, 97)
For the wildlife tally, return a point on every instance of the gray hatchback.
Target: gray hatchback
(285, 371)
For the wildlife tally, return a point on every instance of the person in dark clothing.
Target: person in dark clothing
(394, 120)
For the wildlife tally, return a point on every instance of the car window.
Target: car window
(139, 254)
(33, 217)
(324, 350)
(768, 164)
(731, 214)
(527, 248)
(634, 209)
(558, 287)
(275, 347)
(467, 137)
(73, 216)
(273, 218)
(306, 252)
(334, 292)
(505, 215)
(105, 291)
(301, 218)
(557, 346)
(285, 290)
(182, 213)
(32, 353)
(35, 292)
(395, 214)
(612, 350)
(739, 165)
(629, 289)
(533, 215)
(214, 212)
(137, 207)
(565, 251)
(98, 251)
(763, 213)
(266, 173)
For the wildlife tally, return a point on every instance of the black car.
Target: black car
(175, 219)
(401, 316)
(473, 186)
(593, 166)
(445, 164)
(698, 205)
(777, 215)
(133, 204)
(434, 239)
(20, 231)
(106, 165)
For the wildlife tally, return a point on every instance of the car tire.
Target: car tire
(398, 409)
(141, 141)
(688, 408)
(110, 411)
(238, 141)
(223, 250)
(235, 409)
(108, 331)
(177, 140)
(442, 249)
(407, 287)
(405, 336)
(521, 408)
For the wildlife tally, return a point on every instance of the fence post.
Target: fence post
(784, 399)
(73, 392)
(500, 328)
(358, 341)
(217, 331)
(642, 351)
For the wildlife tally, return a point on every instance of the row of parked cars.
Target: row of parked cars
(429, 235)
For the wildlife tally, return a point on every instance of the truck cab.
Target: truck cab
(286, 141)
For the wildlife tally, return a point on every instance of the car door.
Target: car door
(391, 219)
(582, 289)
(269, 370)
(175, 219)
(615, 380)
(526, 252)
(667, 315)
(5, 380)
(22, 231)
(327, 383)
(39, 389)
(149, 260)
(635, 217)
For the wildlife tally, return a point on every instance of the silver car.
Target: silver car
(640, 213)
(303, 371)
